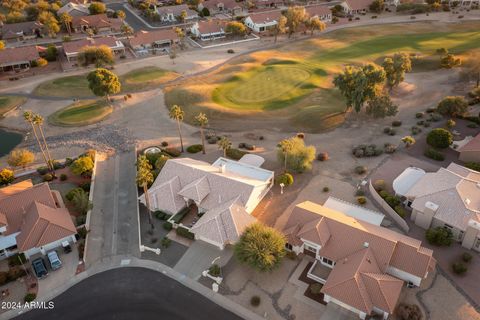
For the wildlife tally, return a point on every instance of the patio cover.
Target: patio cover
(406, 180)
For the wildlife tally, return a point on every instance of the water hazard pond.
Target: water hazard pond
(8, 141)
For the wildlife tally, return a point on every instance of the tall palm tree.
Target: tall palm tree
(201, 120)
(66, 19)
(28, 116)
(176, 113)
(144, 178)
(224, 143)
(38, 120)
(286, 146)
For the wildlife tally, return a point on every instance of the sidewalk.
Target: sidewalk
(128, 261)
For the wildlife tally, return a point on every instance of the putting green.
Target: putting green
(81, 113)
(269, 83)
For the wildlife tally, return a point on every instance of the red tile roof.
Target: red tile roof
(77, 45)
(211, 26)
(358, 4)
(318, 11)
(472, 145)
(97, 21)
(149, 37)
(11, 56)
(264, 17)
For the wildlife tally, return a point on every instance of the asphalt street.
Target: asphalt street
(114, 219)
(130, 293)
(131, 19)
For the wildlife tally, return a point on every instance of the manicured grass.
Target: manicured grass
(65, 87)
(8, 103)
(81, 113)
(77, 86)
(296, 80)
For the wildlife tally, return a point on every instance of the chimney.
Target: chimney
(366, 244)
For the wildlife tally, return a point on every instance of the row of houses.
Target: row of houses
(96, 24)
(362, 265)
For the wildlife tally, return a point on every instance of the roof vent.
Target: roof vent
(345, 260)
(368, 260)
(366, 244)
(223, 168)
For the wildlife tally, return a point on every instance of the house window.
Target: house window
(310, 248)
(288, 246)
(261, 29)
(327, 261)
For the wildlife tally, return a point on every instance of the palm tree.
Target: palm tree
(38, 120)
(28, 116)
(66, 19)
(176, 113)
(286, 146)
(224, 143)
(201, 120)
(144, 178)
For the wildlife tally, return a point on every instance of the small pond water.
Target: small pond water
(8, 141)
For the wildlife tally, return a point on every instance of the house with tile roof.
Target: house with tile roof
(71, 49)
(98, 23)
(209, 30)
(352, 7)
(231, 7)
(33, 219)
(22, 31)
(145, 41)
(448, 198)
(321, 11)
(14, 59)
(263, 21)
(470, 152)
(223, 193)
(362, 266)
(74, 9)
(172, 13)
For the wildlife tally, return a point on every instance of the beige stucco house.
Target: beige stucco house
(449, 198)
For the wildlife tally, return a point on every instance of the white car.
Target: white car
(55, 262)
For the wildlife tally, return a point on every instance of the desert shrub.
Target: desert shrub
(322, 156)
(235, 154)
(86, 186)
(434, 154)
(359, 193)
(326, 189)
(420, 123)
(450, 123)
(181, 231)
(167, 226)
(285, 178)
(214, 270)
(68, 161)
(3, 278)
(389, 148)
(160, 162)
(387, 130)
(173, 152)
(291, 255)
(362, 200)
(47, 177)
(415, 130)
(439, 236)
(82, 232)
(70, 194)
(316, 288)
(431, 110)
(396, 123)
(409, 312)
(15, 272)
(392, 201)
(194, 148)
(473, 166)
(383, 194)
(467, 257)
(29, 297)
(159, 214)
(63, 177)
(255, 301)
(164, 144)
(459, 267)
(439, 138)
(81, 220)
(419, 115)
(166, 242)
(360, 169)
(364, 150)
(297, 156)
(180, 215)
(435, 117)
(400, 211)
(426, 124)
(230, 51)
(379, 185)
(6, 176)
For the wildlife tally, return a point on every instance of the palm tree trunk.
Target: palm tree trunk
(203, 140)
(285, 164)
(180, 134)
(50, 160)
(40, 146)
(147, 202)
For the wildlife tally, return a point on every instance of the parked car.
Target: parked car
(39, 268)
(54, 260)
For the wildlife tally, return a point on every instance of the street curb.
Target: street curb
(89, 213)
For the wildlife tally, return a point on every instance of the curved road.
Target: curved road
(130, 293)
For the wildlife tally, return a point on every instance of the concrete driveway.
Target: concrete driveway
(335, 312)
(199, 257)
(58, 277)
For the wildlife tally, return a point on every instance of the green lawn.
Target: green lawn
(8, 103)
(81, 113)
(77, 86)
(296, 80)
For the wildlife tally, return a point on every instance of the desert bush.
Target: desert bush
(459, 268)
(326, 189)
(195, 148)
(47, 177)
(29, 297)
(419, 115)
(285, 178)
(181, 231)
(473, 166)
(360, 169)
(467, 257)
(214, 270)
(400, 211)
(63, 177)
(315, 288)
(434, 154)
(389, 148)
(164, 144)
(439, 236)
(173, 152)
(166, 242)
(396, 123)
(379, 185)
(409, 312)
(167, 226)
(362, 200)
(322, 156)
(415, 130)
(255, 301)
(235, 154)
(439, 138)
